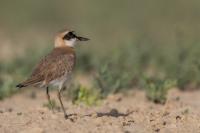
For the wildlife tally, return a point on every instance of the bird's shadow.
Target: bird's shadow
(111, 113)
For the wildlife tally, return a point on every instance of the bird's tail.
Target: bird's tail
(29, 82)
(20, 85)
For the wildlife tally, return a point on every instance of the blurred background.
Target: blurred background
(150, 45)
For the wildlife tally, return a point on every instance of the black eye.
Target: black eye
(69, 35)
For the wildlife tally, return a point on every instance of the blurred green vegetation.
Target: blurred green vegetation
(50, 105)
(156, 90)
(84, 95)
(109, 79)
(130, 40)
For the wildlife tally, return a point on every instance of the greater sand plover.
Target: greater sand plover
(56, 68)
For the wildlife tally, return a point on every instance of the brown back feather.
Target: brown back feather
(53, 66)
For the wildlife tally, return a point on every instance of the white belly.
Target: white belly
(61, 82)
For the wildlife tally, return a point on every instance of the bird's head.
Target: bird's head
(68, 38)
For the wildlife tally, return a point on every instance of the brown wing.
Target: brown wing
(53, 66)
(60, 65)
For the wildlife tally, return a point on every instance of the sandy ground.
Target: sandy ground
(131, 113)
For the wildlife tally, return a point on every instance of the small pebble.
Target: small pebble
(19, 113)
(131, 121)
(157, 130)
(164, 123)
(178, 117)
(10, 110)
(151, 120)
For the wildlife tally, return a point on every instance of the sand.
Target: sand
(120, 113)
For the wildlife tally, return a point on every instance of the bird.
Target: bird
(56, 68)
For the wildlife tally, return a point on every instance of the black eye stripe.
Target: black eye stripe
(69, 36)
(72, 34)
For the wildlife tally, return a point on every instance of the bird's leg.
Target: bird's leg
(49, 98)
(59, 97)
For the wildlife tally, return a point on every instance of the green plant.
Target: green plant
(80, 94)
(109, 80)
(156, 90)
(6, 87)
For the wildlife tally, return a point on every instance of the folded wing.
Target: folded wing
(53, 66)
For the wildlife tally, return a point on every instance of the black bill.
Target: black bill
(82, 38)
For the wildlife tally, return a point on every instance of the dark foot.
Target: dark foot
(66, 116)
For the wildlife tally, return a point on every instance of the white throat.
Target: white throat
(70, 43)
